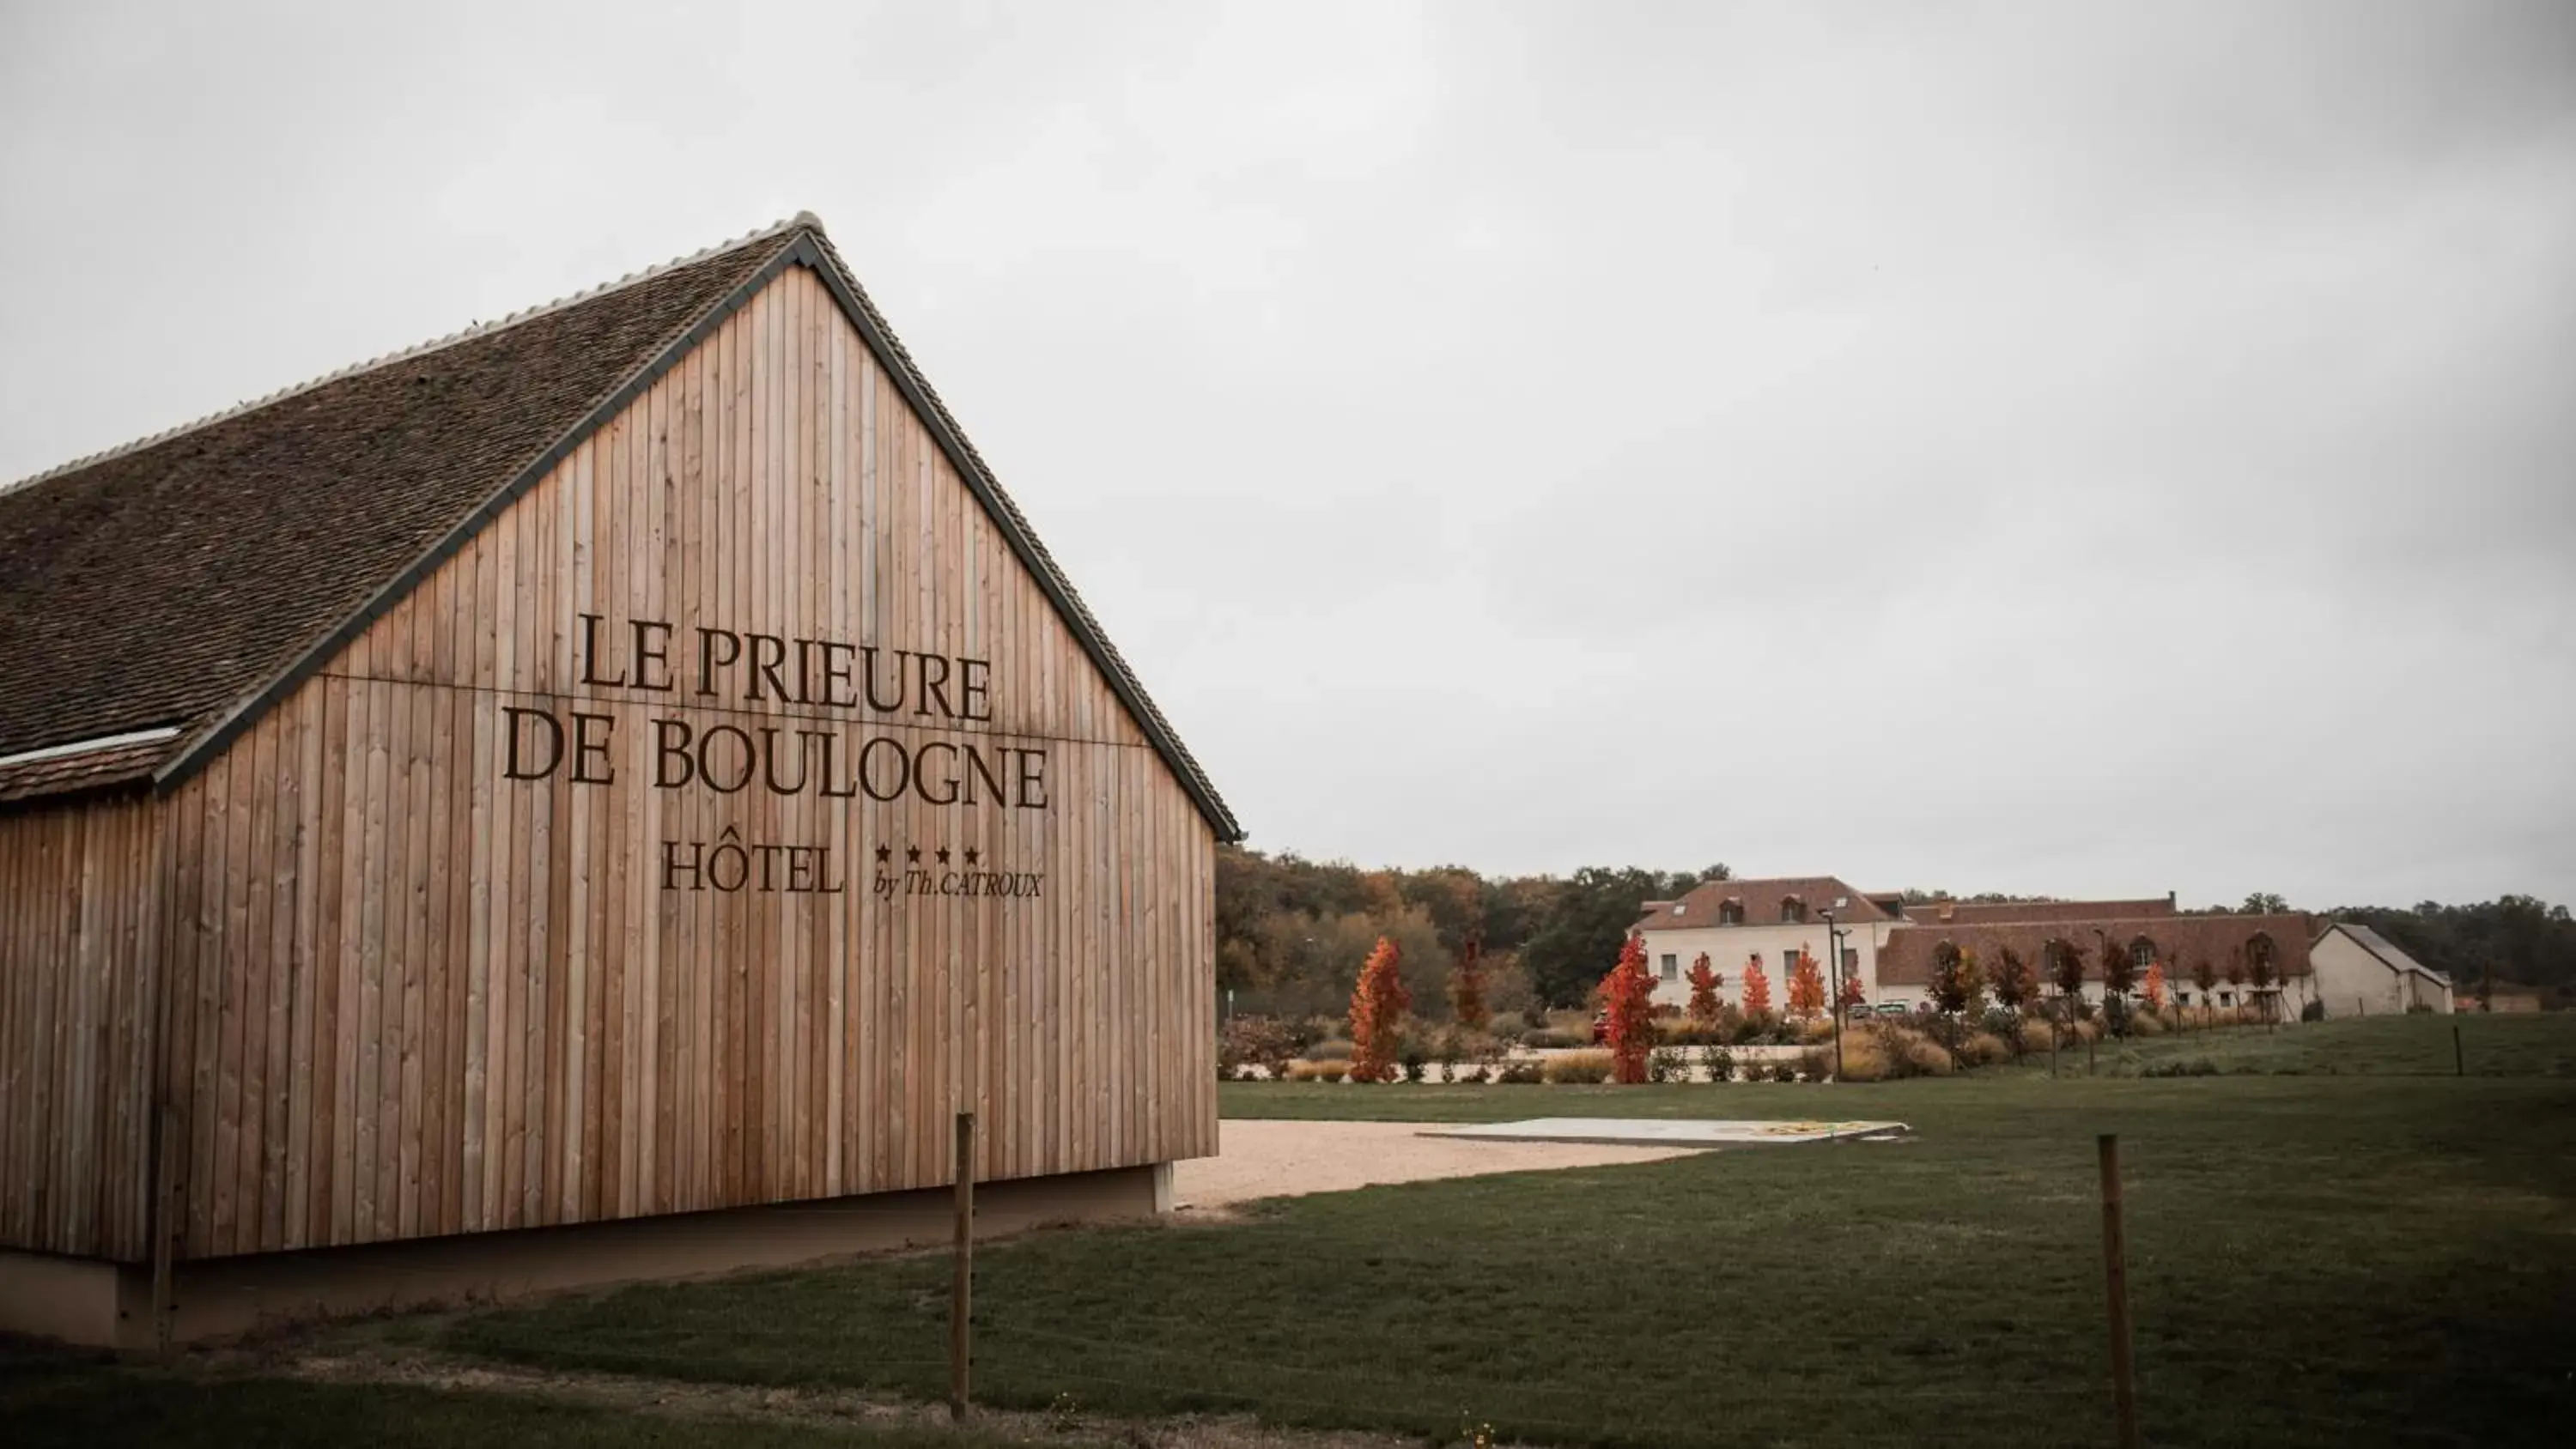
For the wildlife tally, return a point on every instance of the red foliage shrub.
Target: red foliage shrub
(1703, 984)
(1378, 1005)
(1628, 995)
(1806, 987)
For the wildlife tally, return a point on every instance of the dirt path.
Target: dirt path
(1288, 1159)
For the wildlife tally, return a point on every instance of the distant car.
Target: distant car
(1893, 1008)
(1860, 1011)
(1600, 1027)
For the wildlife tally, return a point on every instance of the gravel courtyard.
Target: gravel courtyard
(1260, 1159)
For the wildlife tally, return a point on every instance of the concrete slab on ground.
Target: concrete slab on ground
(1672, 1132)
(1286, 1159)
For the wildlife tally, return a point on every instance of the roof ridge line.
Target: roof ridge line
(802, 219)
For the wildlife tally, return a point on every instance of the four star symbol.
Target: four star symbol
(912, 854)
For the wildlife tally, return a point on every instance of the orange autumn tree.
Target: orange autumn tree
(2154, 987)
(1703, 983)
(1628, 996)
(1467, 984)
(1806, 987)
(1757, 987)
(1378, 1005)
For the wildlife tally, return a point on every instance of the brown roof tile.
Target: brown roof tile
(117, 765)
(1762, 900)
(1906, 959)
(158, 584)
(1998, 912)
(171, 581)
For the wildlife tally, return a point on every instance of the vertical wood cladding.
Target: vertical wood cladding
(75, 1026)
(423, 986)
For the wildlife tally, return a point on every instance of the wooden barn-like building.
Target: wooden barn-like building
(590, 797)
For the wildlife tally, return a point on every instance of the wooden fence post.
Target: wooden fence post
(961, 1292)
(2115, 1273)
(2459, 1059)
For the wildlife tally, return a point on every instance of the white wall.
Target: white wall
(1779, 944)
(2354, 982)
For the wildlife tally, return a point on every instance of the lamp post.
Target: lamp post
(1834, 971)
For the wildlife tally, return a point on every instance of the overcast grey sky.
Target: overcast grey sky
(2075, 448)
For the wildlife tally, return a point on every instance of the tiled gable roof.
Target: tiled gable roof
(1997, 912)
(187, 579)
(2180, 941)
(1762, 900)
(2390, 954)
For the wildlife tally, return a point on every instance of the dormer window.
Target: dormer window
(1730, 912)
(1792, 909)
(2142, 953)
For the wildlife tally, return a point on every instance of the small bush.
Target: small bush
(1816, 1063)
(2181, 1067)
(1685, 1032)
(1667, 1064)
(1782, 1070)
(1575, 1068)
(1332, 1049)
(2314, 1010)
(1548, 1038)
(1412, 1059)
(2147, 1023)
(1318, 1071)
(2036, 1036)
(2084, 1031)
(1865, 1058)
(1926, 1058)
(1814, 1029)
(1522, 1073)
(1256, 1041)
(2003, 1022)
(1983, 1049)
(1533, 1016)
(1719, 1062)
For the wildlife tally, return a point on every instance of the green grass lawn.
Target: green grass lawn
(2488, 1046)
(2349, 1259)
(52, 1398)
(2337, 1260)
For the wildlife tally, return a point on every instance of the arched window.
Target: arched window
(1792, 909)
(2142, 953)
(1730, 912)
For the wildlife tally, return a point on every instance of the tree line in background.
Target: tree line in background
(1293, 934)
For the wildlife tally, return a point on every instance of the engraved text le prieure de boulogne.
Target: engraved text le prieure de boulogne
(727, 669)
